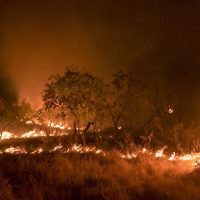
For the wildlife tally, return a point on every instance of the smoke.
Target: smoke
(40, 38)
(8, 93)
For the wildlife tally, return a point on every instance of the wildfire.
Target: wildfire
(59, 125)
(73, 149)
(56, 148)
(30, 134)
(84, 149)
(159, 153)
(193, 158)
(33, 133)
(129, 156)
(15, 150)
(50, 124)
(7, 135)
(37, 151)
(190, 156)
(172, 157)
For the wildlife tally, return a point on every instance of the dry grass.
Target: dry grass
(61, 177)
(5, 189)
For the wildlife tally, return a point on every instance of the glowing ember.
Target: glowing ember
(170, 110)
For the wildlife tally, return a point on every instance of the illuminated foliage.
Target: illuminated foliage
(78, 95)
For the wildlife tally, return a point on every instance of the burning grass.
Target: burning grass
(94, 176)
(54, 168)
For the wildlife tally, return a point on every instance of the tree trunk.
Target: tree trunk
(116, 128)
(85, 130)
(75, 132)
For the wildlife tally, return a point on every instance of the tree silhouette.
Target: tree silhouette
(78, 95)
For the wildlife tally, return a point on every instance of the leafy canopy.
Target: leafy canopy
(78, 94)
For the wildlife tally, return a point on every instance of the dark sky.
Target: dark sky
(40, 37)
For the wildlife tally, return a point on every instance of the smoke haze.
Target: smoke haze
(40, 38)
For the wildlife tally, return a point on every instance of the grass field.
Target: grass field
(58, 176)
(99, 171)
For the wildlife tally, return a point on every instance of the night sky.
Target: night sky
(41, 37)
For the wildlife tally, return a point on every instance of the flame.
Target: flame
(59, 134)
(30, 134)
(129, 156)
(56, 148)
(197, 164)
(7, 135)
(144, 150)
(59, 125)
(15, 150)
(33, 133)
(172, 157)
(37, 151)
(170, 110)
(33, 121)
(159, 153)
(193, 158)
(29, 122)
(49, 124)
(84, 149)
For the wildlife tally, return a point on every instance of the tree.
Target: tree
(77, 94)
(24, 110)
(8, 102)
(8, 95)
(159, 107)
(51, 120)
(124, 87)
(14, 114)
